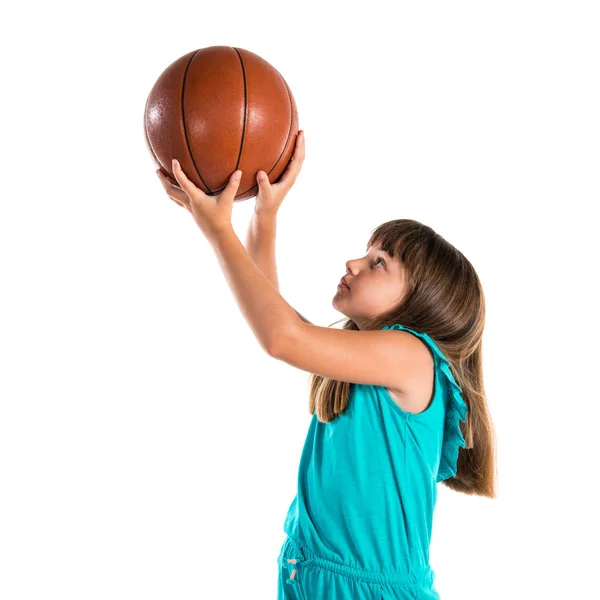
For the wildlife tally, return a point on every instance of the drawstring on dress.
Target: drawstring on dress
(293, 564)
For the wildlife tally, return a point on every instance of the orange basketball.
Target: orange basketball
(219, 109)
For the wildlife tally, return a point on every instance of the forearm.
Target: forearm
(269, 316)
(260, 243)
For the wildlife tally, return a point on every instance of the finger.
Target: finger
(299, 149)
(184, 183)
(172, 181)
(177, 202)
(172, 189)
(287, 180)
(263, 181)
(233, 185)
(298, 156)
(165, 179)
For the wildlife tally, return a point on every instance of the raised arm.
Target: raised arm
(260, 244)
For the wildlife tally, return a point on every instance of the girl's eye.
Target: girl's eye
(379, 259)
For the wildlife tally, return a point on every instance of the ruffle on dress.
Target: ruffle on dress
(456, 410)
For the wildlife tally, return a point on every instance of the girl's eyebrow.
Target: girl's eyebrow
(379, 250)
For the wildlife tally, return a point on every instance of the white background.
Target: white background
(148, 447)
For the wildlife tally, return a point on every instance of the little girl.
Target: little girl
(395, 412)
(397, 395)
(386, 421)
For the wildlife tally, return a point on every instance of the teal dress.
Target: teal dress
(359, 526)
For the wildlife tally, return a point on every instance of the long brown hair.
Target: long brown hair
(444, 298)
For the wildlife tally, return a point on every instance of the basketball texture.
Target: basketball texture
(219, 109)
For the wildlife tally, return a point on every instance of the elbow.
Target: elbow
(273, 348)
(278, 342)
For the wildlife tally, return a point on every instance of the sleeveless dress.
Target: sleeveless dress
(359, 526)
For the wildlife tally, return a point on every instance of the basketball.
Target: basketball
(219, 109)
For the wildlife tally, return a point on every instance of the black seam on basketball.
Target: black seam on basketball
(291, 121)
(289, 130)
(245, 110)
(183, 122)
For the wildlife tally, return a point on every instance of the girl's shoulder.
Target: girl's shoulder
(455, 408)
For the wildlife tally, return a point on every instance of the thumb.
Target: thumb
(234, 182)
(263, 180)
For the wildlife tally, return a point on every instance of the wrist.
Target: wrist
(265, 213)
(218, 235)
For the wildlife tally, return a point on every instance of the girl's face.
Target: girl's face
(376, 285)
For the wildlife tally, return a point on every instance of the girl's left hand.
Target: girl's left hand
(211, 213)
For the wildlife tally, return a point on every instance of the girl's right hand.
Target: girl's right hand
(269, 196)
